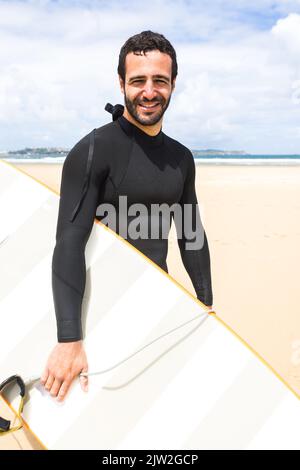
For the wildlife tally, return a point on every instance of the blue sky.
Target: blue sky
(238, 85)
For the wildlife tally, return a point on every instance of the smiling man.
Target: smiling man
(133, 159)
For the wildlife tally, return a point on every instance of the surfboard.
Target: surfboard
(174, 377)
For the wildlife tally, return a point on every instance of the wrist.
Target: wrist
(71, 344)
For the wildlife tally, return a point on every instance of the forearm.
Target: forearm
(68, 284)
(197, 265)
(67, 304)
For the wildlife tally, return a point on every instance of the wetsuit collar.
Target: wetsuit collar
(140, 136)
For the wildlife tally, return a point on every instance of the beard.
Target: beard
(146, 120)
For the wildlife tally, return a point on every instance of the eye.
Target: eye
(158, 80)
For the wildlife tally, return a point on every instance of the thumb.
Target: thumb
(84, 380)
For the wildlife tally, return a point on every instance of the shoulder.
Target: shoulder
(107, 131)
(102, 134)
(103, 137)
(183, 153)
(178, 147)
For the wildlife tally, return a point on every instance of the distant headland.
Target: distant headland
(59, 152)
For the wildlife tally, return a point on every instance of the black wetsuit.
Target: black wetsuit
(126, 162)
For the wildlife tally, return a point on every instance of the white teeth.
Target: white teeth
(152, 106)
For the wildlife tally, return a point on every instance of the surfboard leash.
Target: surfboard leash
(203, 317)
(5, 423)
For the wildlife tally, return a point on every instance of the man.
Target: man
(132, 158)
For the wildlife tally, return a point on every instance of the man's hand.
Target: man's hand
(210, 308)
(65, 363)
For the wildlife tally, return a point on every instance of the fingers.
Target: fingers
(58, 387)
(84, 381)
(49, 382)
(44, 376)
(55, 387)
(63, 390)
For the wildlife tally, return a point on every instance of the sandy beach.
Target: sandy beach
(251, 215)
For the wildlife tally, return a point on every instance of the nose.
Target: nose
(149, 91)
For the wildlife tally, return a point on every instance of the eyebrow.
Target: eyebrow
(154, 76)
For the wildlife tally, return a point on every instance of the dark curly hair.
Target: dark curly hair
(143, 42)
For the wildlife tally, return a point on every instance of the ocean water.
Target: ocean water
(248, 159)
(211, 159)
(36, 159)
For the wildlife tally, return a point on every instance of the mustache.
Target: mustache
(160, 101)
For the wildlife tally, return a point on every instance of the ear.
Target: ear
(173, 84)
(122, 84)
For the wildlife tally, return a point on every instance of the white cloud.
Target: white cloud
(238, 84)
(287, 31)
(250, 95)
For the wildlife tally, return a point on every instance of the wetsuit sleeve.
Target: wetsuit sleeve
(192, 238)
(68, 261)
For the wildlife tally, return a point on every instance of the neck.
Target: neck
(150, 130)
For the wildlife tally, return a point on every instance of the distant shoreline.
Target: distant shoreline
(250, 160)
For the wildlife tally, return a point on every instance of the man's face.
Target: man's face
(148, 86)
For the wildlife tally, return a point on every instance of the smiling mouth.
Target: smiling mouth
(149, 107)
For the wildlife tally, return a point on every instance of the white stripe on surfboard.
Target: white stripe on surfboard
(18, 202)
(99, 241)
(25, 306)
(25, 248)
